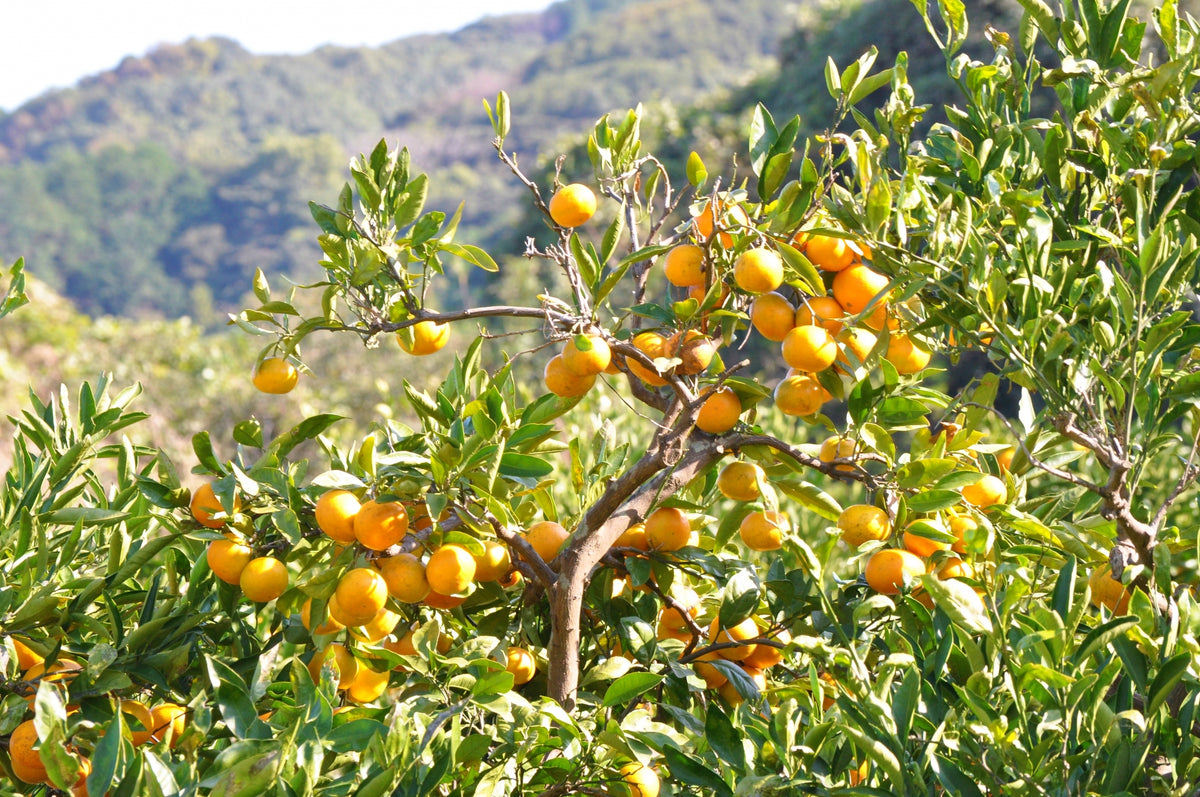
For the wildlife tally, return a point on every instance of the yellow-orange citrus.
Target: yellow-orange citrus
(379, 526)
(380, 626)
(809, 348)
(828, 253)
(766, 656)
(720, 411)
(139, 722)
(1107, 591)
(684, 266)
(988, 491)
(758, 270)
(671, 621)
(205, 506)
(772, 315)
(722, 217)
(405, 577)
(547, 538)
(821, 310)
(923, 545)
(764, 530)
(633, 537)
(855, 287)
(863, 523)
(955, 568)
(436, 600)
(906, 355)
(329, 626)
(959, 526)
(227, 559)
(424, 337)
(368, 685)
(640, 780)
(26, 763)
(361, 593)
(264, 579)
(168, 719)
(572, 205)
(667, 529)
(450, 569)
(27, 657)
(588, 361)
(855, 344)
(713, 677)
(739, 481)
(341, 662)
(740, 632)
(694, 349)
(889, 569)
(654, 346)
(560, 381)
(276, 375)
(833, 448)
(493, 563)
(800, 395)
(335, 513)
(521, 663)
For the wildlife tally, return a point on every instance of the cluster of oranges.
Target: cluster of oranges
(165, 721)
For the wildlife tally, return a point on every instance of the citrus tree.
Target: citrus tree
(702, 516)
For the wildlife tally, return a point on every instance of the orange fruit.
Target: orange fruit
(168, 719)
(330, 626)
(360, 594)
(820, 310)
(27, 657)
(521, 663)
(264, 579)
(367, 685)
(640, 780)
(341, 661)
(722, 217)
(511, 579)
(881, 316)
(588, 361)
(758, 270)
(671, 622)
(404, 575)
(276, 375)
(905, 355)
(694, 349)
(438, 600)
(380, 626)
(828, 253)
(744, 630)
(572, 205)
(335, 513)
(713, 677)
(720, 411)
(62, 671)
(633, 537)
(684, 266)
(205, 506)
(26, 763)
(654, 346)
(424, 337)
(923, 546)
(1107, 591)
(740, 481)
(955, 568)
(772, 315)
(140, 722)
(764, 530)
(450, 569)
(856, 286)
(379, 526)
(560, 381)
(855, 344)
(84, 769)
(667, 529)
(547, 538)
(227, 559)
(838, 448)
(889, 569)
(1005, 458)
(800, 394)
(766, 656)
(493, 563)
(862, 523)
(809, 348)
(988, 491)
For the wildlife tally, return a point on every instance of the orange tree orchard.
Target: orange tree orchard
(731, 591)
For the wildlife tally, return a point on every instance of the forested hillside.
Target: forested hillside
(160, 186)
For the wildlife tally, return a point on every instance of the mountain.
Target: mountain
(157, 188)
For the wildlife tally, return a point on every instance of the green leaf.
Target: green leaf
(202, 446)
(933, 500)
(1170, 674)
(693, 772)
(739, 598)
(472, 254)
(410, 202)
(922, 472)
(724, 739)
(960, 602)
(696, 173)
(810, 279)
(629, 686)
(524, 466)
(813, 498)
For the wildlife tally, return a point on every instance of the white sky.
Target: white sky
(46, 45)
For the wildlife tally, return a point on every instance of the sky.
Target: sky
(45, 45)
